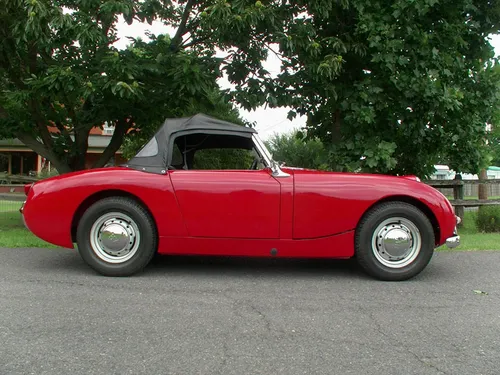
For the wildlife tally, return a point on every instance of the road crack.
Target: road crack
(400, 344)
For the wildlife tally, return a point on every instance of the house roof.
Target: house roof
(97, 143)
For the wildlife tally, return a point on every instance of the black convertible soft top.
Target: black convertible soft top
(153, 156)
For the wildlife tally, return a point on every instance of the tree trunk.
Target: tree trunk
(42, 150)
(81, 146)
(458, 193)
(114, 145)
(483, 188)
(336, 128)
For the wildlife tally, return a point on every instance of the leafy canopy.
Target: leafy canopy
(62, 74)
(387, 85)
(390, 86)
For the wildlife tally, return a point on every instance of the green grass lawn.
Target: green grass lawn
(14, 234)
(471, 239)
(9, 206)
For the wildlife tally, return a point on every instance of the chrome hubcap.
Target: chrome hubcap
(115, 237)
(396, 242)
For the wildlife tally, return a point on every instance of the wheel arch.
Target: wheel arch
(414, 202)
(90, 200)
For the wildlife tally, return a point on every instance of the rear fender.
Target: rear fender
(54, 204)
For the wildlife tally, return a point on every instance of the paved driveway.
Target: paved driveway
(241, 316)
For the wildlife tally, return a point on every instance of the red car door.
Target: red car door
(229, 203)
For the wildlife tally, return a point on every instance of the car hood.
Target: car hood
(328, 174)
(368, 184)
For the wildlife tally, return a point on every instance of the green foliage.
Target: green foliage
(388, 86)
(222, 159)
(488, 219)
(394, 86)
(59, 67)
(214, 105)
(295, 151)
(46, 174)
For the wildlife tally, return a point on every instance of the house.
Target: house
(443, 172)
(17, 159)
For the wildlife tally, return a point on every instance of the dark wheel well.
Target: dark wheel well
(89, 201)
(414, 202)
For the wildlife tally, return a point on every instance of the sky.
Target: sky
(268, 121)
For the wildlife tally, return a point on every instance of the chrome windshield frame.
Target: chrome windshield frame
(266, 155)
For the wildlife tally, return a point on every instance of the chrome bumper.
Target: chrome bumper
(453, 242)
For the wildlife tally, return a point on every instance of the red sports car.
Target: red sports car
(205, 186)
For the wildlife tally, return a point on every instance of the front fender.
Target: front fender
(326, 204)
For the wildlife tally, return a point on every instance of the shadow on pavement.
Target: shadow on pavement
(68, 261)
(235, 266)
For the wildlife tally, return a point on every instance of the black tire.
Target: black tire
(144, 248)
(372, 257)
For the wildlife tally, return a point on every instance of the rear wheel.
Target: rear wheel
(116, 237)
(394, 241)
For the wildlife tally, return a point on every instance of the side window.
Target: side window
(224, 158)
(177, 157)
(150, 149)
(204, 151)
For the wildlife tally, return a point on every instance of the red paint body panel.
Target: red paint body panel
(52, 203)
(247, 213)
(228, 204)
(287, 194)
(327, 203)
(340, 246)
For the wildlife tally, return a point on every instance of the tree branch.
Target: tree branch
(193, 24)
(82, 145)
(195, 41)
(41, 124)
(64, 133)
(3, 113)
(47, 58)
(32, 55)
(7, 65)
(176, 41)
(44, 151)
(278, 55)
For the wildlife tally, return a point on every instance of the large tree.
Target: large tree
(61, 73)
(390, 85)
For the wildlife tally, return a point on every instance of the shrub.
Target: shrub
(488, 219)
(293, 150)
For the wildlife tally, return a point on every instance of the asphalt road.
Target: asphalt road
(240, 316)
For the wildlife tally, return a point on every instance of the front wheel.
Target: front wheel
(116, 237)
(394, 241)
